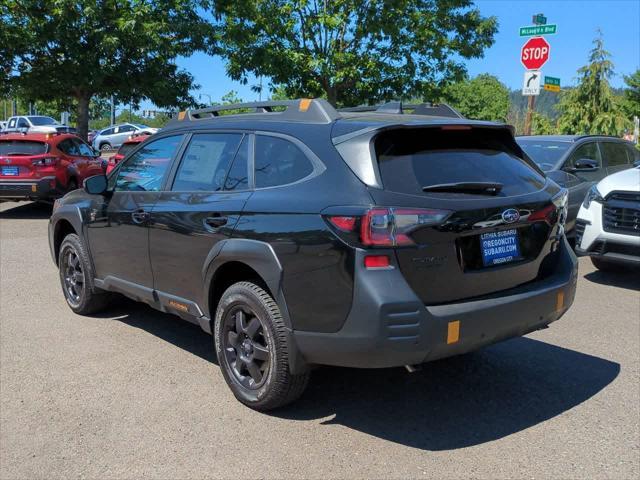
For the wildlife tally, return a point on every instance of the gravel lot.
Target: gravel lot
(136, 393)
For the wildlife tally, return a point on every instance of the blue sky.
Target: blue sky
(577, 23)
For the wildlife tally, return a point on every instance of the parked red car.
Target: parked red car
(39, 166)
(124, 149)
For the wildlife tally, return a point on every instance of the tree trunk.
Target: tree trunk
(332, 95)
(83, 114)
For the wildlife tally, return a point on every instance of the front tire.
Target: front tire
(252, 348)
(105, 147)
(76, 278)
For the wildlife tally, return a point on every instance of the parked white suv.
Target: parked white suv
(608, 224)
(36, 124)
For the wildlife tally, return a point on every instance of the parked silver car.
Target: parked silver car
(36, 124)
(114, 136)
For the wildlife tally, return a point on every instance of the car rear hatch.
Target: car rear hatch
(465, 213)
(23, 158)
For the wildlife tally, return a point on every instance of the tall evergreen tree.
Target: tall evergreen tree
(591, 107)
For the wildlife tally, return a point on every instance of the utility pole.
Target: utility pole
(529, 118)
(112, 115)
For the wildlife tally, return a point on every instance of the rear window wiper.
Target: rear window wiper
(475, 188)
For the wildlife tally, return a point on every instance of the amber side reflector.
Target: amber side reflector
(34, 188)
(305, 103)
(560, 301)
(178, 306)
(453, 332)
(182, 114)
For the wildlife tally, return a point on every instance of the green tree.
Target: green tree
(481, 98)
(591, 107)
(353, 51)
(632, 94)
(77, 49)
(541, 125)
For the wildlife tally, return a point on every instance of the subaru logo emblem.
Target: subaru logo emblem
(511, 215)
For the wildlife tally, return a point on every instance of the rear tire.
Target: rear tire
(105, 147)
(252, 348)
(76, 278)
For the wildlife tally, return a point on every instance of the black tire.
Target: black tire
(76, 278)
(105, 147)
(604, 265)
(261, 349)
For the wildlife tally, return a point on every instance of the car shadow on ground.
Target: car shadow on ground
(453, 403)
(26, 211)
(629, 279)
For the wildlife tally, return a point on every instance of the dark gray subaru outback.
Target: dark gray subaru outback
(299, 235)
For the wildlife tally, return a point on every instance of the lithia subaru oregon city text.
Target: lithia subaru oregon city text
(302, 235)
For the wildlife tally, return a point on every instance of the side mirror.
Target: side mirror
(96, 185)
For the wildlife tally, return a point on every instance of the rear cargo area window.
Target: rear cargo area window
(413, 159)
(21, 147)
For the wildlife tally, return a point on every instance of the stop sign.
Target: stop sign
(535, 53)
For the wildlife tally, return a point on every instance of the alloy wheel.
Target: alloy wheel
(246, 347)
(74, 281)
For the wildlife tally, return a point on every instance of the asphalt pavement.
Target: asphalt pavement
(134, 393)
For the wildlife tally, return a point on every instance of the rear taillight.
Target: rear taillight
(45, 162)
(387, 227)
(377, 261)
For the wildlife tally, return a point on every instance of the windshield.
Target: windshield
(42, 121)
(21, 147)
(544, 152)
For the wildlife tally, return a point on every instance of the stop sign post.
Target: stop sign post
(535, 53)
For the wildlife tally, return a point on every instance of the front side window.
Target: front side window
(144, 171)
(279, 162)
(22, 123)
(126, 128)
(69, 147)
(587, 151)
(206, 161)
(614, 153)
(83, 149)
(238, 176)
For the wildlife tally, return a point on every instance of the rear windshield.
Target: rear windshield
(22, 147)
(126, 148)
(545, 153)
(42, 121)
(411, 160)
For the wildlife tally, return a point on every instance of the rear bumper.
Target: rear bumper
(389, 326)
(27, 189)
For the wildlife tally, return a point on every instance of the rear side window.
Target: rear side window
(20, 147)
(615, 154)
(206, 161)
(411, 160)
(279, 162)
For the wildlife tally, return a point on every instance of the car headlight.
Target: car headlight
(561, 200)
(593, 195)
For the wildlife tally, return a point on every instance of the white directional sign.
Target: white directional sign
(531, 84)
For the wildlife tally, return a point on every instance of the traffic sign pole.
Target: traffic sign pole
(529, 118)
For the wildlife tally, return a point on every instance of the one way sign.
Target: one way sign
(531, 84)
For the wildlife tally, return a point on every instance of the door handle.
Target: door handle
(215, 222)
(140, 216)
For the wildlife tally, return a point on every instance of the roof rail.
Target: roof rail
(397, 107)
(304, 110)
(578, 137)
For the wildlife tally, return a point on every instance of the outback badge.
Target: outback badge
(511, 215)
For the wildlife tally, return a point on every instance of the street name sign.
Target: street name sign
(531, 82)
(552, 84)
(533, 30)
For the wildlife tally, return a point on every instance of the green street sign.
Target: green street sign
(551, 81)
(533, 30)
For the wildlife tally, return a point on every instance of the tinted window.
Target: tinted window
(411, 160)
(588, 150)
(83, 149)
(108, 131)
(615, 154)
(238, 177)
(279, 162)
(545, 153)
(42, 121)
(19, 147)
(634, 153)
(126, 128)
(22, 123)
(69, 147)
(206, 161)
(145, 169)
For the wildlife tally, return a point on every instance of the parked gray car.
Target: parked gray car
(576, 162)
(114, 136)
